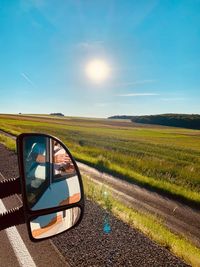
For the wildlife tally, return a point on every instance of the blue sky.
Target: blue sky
(152, 48)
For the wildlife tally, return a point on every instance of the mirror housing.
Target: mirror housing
(51, 185)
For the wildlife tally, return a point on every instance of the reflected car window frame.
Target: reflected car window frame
(43, 186)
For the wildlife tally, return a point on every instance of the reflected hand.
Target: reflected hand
(61, 158)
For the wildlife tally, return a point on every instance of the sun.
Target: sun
(97, 70)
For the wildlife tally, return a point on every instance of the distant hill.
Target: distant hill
(191, 121)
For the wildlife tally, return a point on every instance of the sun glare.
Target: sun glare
(97, 70)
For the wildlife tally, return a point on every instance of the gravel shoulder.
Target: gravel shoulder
(88, 245)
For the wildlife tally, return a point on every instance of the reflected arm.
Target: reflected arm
(40, 159)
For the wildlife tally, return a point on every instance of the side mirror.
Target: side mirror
(51, 183)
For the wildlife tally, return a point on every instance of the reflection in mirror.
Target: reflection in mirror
(54, 223)
(50, 175)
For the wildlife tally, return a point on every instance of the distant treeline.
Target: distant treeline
(121, 117)
(176, 120)
(57, 114)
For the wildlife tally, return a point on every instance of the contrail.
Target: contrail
(26, 78)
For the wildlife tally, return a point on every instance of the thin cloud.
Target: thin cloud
(26, 78)
(173, 99)
(138, 94)
(125, 84)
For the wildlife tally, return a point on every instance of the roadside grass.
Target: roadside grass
(163, 158)
(8, 142)
(150, 225)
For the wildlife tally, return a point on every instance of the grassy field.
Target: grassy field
(162, 158)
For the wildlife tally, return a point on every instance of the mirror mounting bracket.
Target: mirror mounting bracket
(10, 187)
(12, 217)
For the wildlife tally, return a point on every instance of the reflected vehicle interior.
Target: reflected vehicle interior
(54, 223)
(50, 174)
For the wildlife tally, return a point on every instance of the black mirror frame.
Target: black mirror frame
(30, 214)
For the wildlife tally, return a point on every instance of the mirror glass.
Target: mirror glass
(54, 223)
(50, 175)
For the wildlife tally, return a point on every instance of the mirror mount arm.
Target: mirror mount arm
(10, 187)
(12, 217)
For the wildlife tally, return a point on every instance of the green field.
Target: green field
(162, 158)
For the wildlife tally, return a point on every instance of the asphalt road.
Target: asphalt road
(87, 244)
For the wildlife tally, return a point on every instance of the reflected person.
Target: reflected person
(61, 169)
